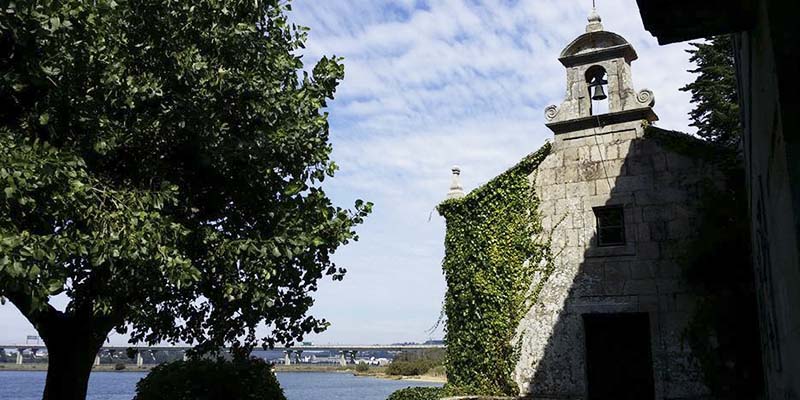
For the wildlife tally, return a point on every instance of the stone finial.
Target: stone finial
(456, 190)
(595, 22)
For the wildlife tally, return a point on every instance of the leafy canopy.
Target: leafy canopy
(714, 92)
(161, 165)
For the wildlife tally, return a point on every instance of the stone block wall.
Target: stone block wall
(658, 189)
(767, 63)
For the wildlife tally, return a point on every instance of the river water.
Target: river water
(28, 385)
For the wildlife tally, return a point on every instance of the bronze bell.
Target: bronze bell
(599, 93)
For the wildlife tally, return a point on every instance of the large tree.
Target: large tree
(160, 168)
(714, 92)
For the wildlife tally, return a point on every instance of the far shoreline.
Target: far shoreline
(375, 372)
(98, 368)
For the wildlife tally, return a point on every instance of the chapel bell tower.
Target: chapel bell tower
(599, 84)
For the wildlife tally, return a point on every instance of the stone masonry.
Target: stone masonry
(616, 165)
(599, 161)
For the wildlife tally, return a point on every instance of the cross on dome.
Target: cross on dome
(595, 22)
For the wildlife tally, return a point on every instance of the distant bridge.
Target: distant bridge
(345, 351)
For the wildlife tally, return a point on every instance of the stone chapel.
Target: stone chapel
(620, 207)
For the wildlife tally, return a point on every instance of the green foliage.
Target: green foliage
(425, 393)
(198, 379)
(362, 367)
(493, 248)
(714, 92)
(409, 363)
(438, 370)
(417, 393)
(410, 368)
(161, 165)
(693, 147)
(119, 366)
(435, 355)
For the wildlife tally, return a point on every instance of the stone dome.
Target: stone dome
(598, 42)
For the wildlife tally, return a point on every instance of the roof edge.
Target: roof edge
(620, 45)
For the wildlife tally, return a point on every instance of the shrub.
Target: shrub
(427, 393)
(119, 366)
(406, 368)
(435, 355)
(438, 370)
(205, 379)
(416, 362)
(362, 367)
(418, 393)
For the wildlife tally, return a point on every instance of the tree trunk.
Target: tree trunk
(69, 366)
(73, 340)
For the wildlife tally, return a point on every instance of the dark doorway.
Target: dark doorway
(618, 360)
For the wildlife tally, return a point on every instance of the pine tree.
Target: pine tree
(714, 92)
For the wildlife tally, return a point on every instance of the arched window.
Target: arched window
(597, 82)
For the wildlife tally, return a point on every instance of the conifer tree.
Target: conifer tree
(714, 92)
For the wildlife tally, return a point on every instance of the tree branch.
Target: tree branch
(41, 318)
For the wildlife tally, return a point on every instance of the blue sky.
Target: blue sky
(430, 84)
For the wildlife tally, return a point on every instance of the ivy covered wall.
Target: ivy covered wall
(493, 248)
